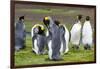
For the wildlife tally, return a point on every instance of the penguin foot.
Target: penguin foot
(57, 59)
(73, 47)
(23, 47)
(66, 53)
(87, 47)
(33, 51)
(47, 59)
(17, 48)
(77, 47)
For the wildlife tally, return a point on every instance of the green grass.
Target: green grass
(27, 57)
(50, 11)
(28, 26)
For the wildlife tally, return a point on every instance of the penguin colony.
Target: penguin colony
(52, 38)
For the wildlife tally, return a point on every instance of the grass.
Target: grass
(50, 11)
(27, 57)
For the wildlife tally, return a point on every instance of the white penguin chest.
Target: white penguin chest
(76, 30)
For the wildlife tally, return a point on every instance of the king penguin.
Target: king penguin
(76, 33)
(64, 37)
(38, 39)
(20, 34)
(54, 43)
(87, 34)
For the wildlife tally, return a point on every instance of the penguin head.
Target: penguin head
(57, 22)
(46, 21)
(21, 18)
(61, 26)
(79, 17)
(40, 30)
(87, 18)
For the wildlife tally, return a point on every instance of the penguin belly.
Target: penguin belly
(35, 49)
(49, 43)
(63, 42)
(87, 34)
(50, 49)
(41, 42)
(64, 36)
(63, 46)
(75, 34)
(66, 40)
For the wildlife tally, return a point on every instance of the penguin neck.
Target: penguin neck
(78, 21)
(20, 21)
(87, 21)
(41, 32)
(51, 21)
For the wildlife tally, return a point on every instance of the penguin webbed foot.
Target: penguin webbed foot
(18, 48)
(57, 59)
(75, 47)
(66, 53)
(87, 47)
(47, 59)
(24, 46)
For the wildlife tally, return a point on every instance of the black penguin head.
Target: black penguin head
(61, 26)
(40, 30)
(79, 17)
(87, 18)
(57, 22)
(21, 18)
(46, 21)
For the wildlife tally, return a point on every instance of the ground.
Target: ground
(27, 57)
(65, 15)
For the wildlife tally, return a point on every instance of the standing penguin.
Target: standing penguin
(38, 39)
(54, 43)
(87, 34)
(76, 33)
(20, 34)
(64, 37)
